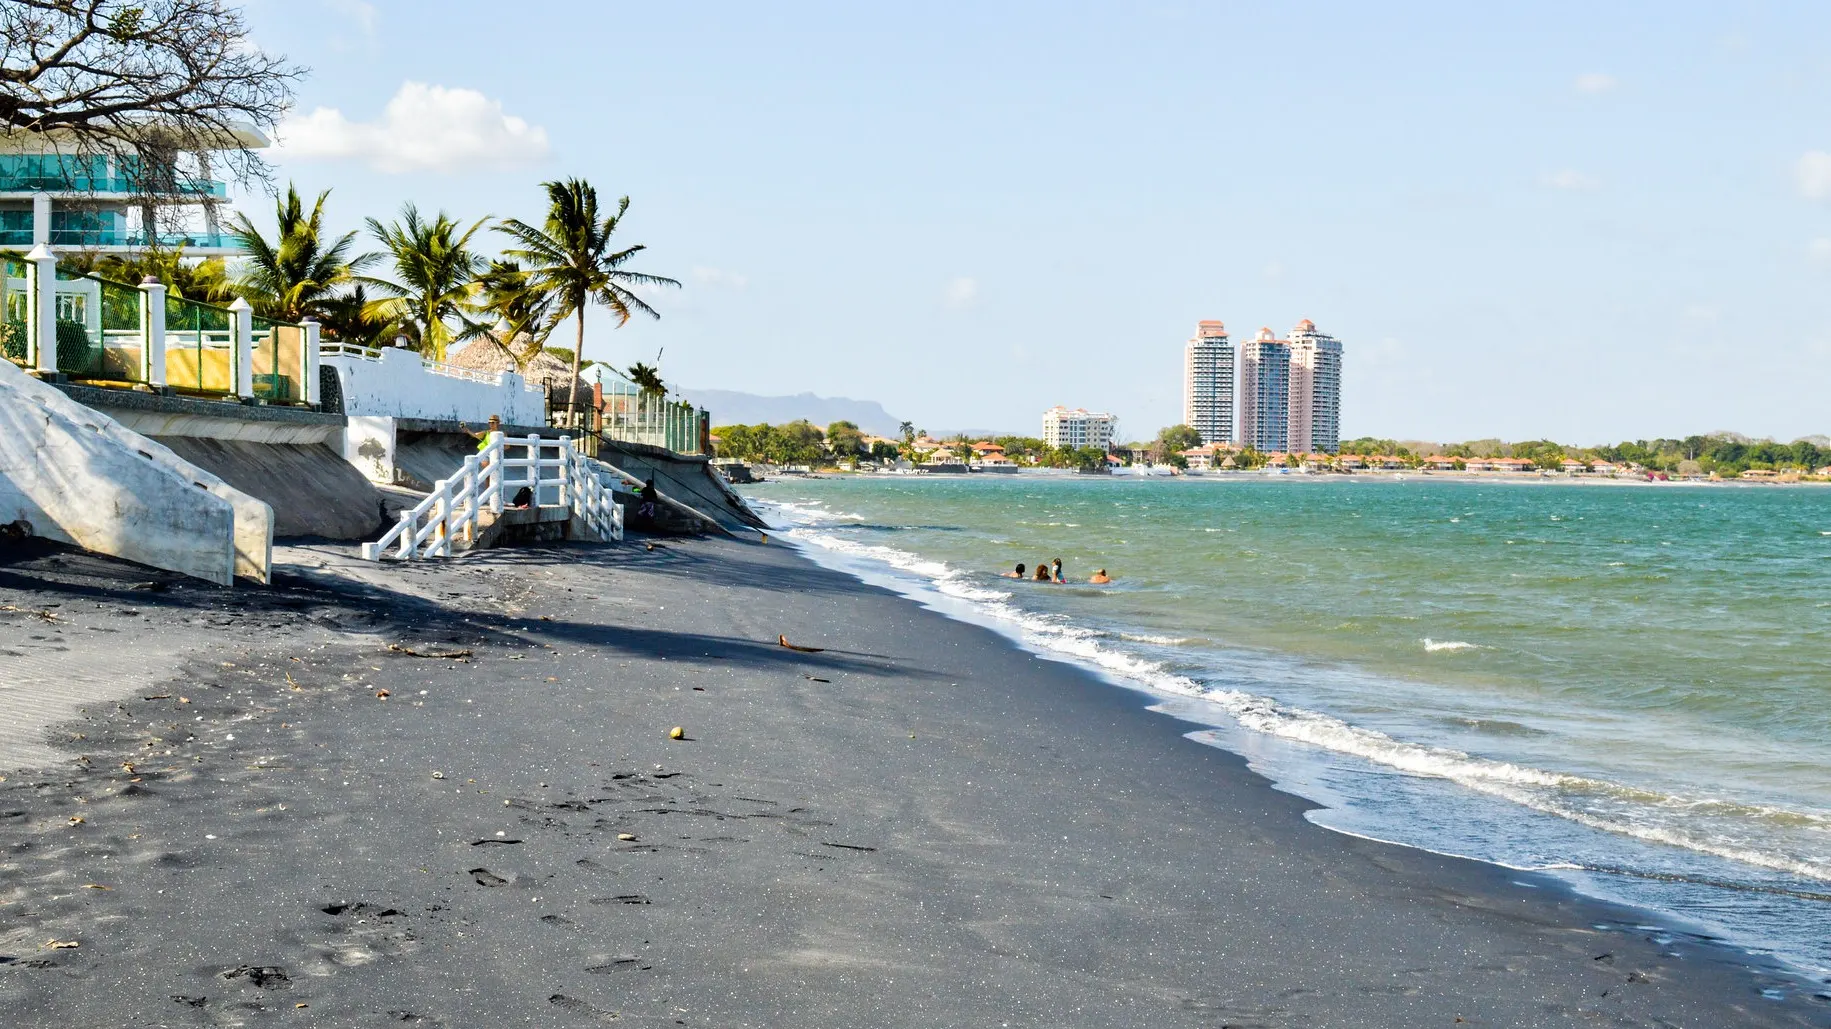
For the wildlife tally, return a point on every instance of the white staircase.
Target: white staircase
(557, 476)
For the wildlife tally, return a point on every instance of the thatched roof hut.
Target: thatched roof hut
(488, 353)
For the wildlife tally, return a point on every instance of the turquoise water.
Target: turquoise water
(1630, 685)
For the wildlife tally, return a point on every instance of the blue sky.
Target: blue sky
(1584, 221)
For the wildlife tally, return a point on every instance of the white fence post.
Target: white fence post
(308, 361)
(152, 330)
(41, 329)
(493, 453)
(473, 467)
(243, 353)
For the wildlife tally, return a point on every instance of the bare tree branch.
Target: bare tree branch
(148, 78)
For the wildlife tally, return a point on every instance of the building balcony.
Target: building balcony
(14, 186)
(79, 239)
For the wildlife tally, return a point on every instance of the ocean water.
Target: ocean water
(1628, 687)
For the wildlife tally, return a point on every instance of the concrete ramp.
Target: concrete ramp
(689, 479)
(312, 490)
(78, 477)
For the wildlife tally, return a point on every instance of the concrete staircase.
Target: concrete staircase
(77, 476)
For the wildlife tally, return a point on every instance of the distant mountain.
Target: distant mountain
(729, 407)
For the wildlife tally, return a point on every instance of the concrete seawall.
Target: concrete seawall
(287, 457)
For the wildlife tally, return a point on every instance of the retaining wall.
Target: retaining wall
(397, 384)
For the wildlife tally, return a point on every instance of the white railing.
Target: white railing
(488, 378)
(552, 471)
(455, 372)
(332, 348)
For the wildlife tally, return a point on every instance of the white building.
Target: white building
(1208, 383)
(102, 202)
(1078, 428)
(1315, 404)
(1265, 375)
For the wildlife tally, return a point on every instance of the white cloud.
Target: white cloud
(423, 128)
(1814, 172)
(1574, 180)
(1820, 248)
(961, 292)
(719, 277)
(1596, 82)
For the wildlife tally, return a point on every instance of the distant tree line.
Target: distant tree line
(1725, 455)
(801, 442)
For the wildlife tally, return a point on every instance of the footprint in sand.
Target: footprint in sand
(484, 877)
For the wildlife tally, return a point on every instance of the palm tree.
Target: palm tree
(348, 317)
(296, 274)
(206, 280)
(571, 261)
(649, 378)
(436, 270)
(521, 313)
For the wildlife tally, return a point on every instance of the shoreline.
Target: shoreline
(1503, 478)
(922, 824)
(1309, 770)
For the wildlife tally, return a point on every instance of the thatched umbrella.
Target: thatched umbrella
(487, 353)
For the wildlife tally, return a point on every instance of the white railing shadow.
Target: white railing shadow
(552, 471)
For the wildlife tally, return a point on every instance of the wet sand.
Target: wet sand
(919, 825)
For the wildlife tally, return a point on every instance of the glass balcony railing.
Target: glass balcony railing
(29, 183)
(78, 239)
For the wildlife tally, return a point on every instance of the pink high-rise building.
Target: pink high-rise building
(1315, 390)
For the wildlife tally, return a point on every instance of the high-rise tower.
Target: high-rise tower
(1265, 377)
(1315, 390)
(1208, 383)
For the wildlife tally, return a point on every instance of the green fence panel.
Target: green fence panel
(278, 360)
(123, 344)
(199, 347)
(15, 303)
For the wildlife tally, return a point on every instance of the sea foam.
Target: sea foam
(1591, 802)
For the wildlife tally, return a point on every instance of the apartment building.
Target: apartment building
(1315, 390)
(1264, 386)
(1208, 363)
(1078, 428)
(115, 203)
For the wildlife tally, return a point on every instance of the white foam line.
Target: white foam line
(1529, 787)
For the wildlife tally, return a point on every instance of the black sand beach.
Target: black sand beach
(919, 825)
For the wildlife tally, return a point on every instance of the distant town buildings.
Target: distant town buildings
(1208, 383)
(1078, 428)
(1265, 382)
(1287, 391)
(1315, 393)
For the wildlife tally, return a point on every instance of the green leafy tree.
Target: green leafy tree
(1023, 448)
(1085, 459)
(798, 442)
(845, 440)
(295, 274)
(907, 431)
(571, 258)
(206, 280)
(435, 272)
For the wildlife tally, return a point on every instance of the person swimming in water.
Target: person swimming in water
(1100, 578)
(1042, 572)
(1017, 574)
(1058, 570)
